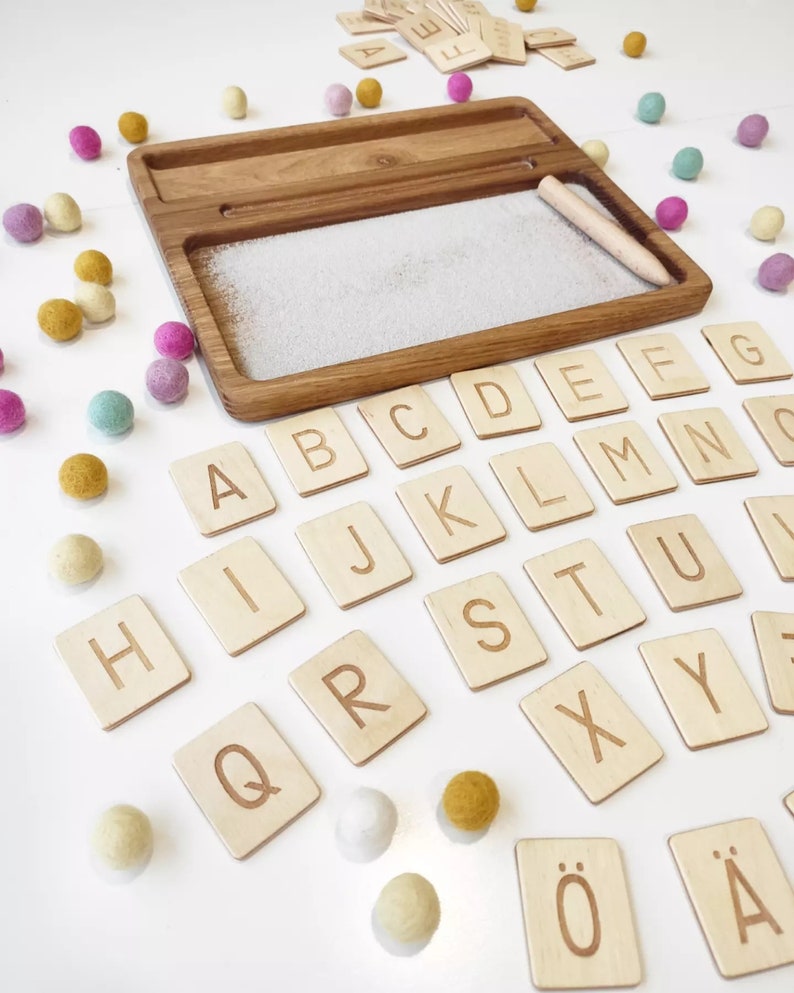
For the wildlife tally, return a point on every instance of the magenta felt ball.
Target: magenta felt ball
(167, 380)
(23, 222)
(12, 412)
(174, 340)
(671, 213)
(338, 99)
(459, 87)
(776, 272)
(85, 142)
(752, 130)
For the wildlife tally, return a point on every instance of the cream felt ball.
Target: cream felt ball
(767, 223)
(234, 102)
(95, 301)
(62, 213)
(408, 909)
(597, 151)
(122, 837)
(75, 559)
(366, 825)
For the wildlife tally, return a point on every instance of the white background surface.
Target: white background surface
(297, 916)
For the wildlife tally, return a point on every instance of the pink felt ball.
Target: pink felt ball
(23, 222)
(174, 340)
(459, 87)
(671, 213)
(752, 130)
(776, 272)
(12, 411)
(338, 99)
(167, 380)
(85, 142)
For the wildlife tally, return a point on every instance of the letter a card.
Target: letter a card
(577, 914)
(741, 896)
(246, 779)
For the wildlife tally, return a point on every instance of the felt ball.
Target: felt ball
(752, 130)
(96, 302)
(93, 267)
(651, 107)
(234, 102)
(459, 87)
(408, 909)
(12, 411)
(111, 412)
(526, 5)
(122, 837)
(776, 272)
(338, 99)
(634, 44)
(366, 824)
(597, 151)
(23, 222)
(174, 340)
(167, 380)
(470, 801)
(83, 477)
(60, 320)
(133, 127)
(767, 223)
(62, 213)
(687, 163)
(75, 559)
(369, 92)
(85, 142)
(671, 213)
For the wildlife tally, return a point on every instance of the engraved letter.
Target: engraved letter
(571, 571)
(252, 606)
(536, 496)
(690, 577)
(573, 383)
(506, 636)
(623, 454)
(480, 388)
(132, 647)
(593, 729)
(574, 879)
(778, 415)
(655, 365)
(348, 700)
(701, 679)
(429, 28)
(400, 428)
(321, 445)
(262, 785)
(213, 471)
(736, 876)
(753, 350)
(443, 514)
(361, 570)
(783, 524)
(714, 442)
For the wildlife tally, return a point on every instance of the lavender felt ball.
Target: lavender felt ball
(752, 130)
(776, 272)
(23, 222)
(85, 142)
(174, 340)
(167, 380)
(338, 99)
(12, 411)
(671, 213)
(459, 87)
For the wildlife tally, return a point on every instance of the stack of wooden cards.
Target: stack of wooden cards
(454, 35)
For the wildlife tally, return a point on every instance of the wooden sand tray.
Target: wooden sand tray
(210, 192)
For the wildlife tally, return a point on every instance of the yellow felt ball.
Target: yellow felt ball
(133, 127)
(83, 477)
(526, 5)
(369, 92)
(471, 801)
(60, 320)
(408, 909)
(75, 559)
(634, 44)
(597, 151)
(122, 837)
(93, 267)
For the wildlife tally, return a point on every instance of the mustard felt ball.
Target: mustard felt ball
(526, 5)
(96, 302)
(60, 320)
(75, 559)
(133, 127)
(471, 801)
(93, 267)
(83, 477)
(408, 909)
(369, 92)
(62, 213)
(634, 44)
(122, 837)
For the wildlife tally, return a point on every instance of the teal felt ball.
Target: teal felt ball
(687, 163)
(111, 412)
(651, 108)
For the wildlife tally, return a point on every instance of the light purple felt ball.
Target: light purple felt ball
(459, 87)
(85, 142)
(776, 272)
(671, 213)
(167, 380)
(12, 411)
(23, 222)
(752, 130)
(174, 340)
(338, 99)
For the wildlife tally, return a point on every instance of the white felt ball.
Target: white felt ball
(122, 837)
(234, 102)
(597, 151)
(62, 213)
(366, 825)
(767, 223)
(96, 302)
(408, 909)
(75, 559)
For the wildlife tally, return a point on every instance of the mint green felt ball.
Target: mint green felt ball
(111, 412)
(651, 107)
(687, 163)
